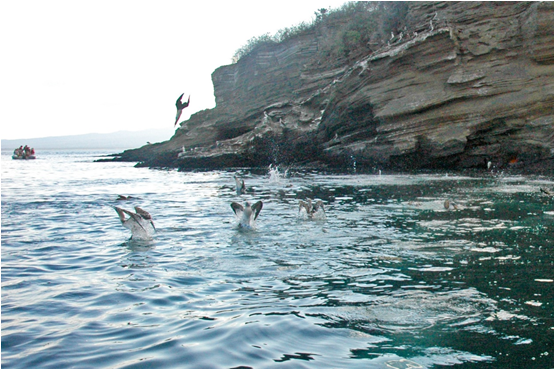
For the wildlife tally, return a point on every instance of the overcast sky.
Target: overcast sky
(98, 66)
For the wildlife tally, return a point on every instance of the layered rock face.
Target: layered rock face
(464, 84)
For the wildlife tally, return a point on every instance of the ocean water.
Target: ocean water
(390, 279)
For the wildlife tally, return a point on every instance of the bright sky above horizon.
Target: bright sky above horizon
(75, 67)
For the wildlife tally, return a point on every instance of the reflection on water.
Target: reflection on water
(390, 279)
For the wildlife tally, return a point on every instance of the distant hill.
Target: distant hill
(115, 140)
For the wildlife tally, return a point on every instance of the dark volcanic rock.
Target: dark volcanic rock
(468, 83)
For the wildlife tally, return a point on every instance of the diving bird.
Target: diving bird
(450, 205)
(122, 197)
(546, 191)
(241, 188)
(140, 223)
(312, 211)
(247, 214)
(180, 106)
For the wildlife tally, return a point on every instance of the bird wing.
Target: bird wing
(178, 102)
(121, 214)
(318, 205)
(137, 218)
(237, 208)
(256, 208)
(180, 105)
(448, 204)
(302, 204)
(143, 213)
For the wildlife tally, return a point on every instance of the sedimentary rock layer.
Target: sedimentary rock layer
(465, 84)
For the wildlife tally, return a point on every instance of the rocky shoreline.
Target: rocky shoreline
(467, 85)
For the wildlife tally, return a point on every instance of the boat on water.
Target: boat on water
(24, 153)
(23, 157)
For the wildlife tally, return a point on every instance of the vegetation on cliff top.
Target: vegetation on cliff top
(359, 25)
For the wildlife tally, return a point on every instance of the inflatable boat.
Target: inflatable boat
(23, 157)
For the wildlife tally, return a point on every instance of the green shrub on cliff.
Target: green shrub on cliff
(253, 43)
(265, 39)
(355, 26)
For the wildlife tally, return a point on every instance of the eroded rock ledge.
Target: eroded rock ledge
(467, 84)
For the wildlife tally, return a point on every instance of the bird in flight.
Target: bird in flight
(180, 106)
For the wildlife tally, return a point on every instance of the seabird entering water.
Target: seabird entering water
(546, 192)
(247, 214)
(122, 197)
(140, 223)
(316, 211)
(241, 188)
(450, 205)
(180, 106)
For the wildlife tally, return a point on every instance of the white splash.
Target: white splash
(275, 175)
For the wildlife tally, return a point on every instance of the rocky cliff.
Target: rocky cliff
(462, 84)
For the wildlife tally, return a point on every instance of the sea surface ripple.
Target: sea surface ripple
(390, 279)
